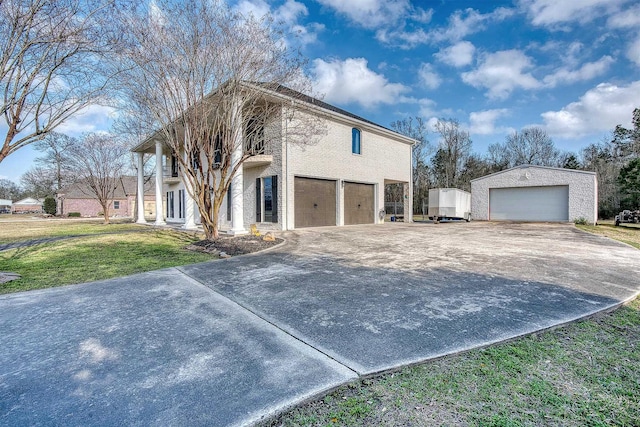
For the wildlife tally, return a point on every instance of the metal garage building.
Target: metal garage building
(535, 193)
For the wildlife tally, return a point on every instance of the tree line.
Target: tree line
(449, 162)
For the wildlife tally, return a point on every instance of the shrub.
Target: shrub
(50, 206)
(581, 221)
(74, 214)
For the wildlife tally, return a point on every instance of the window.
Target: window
(355, 141)
(181, 203)
(174, 166)
(229, 203)
(116, 204)
(170, 209)
(217, 159)
(267, 199)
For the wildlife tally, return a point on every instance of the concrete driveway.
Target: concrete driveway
(227, 342)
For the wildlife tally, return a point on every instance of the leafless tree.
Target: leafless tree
(417, 129)
(50, 64)
(55, 147)
(99, 161)
(530, 146)
(454, 147)
(39, 182)
(212, 81)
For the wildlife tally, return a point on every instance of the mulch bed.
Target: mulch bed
(238, 245)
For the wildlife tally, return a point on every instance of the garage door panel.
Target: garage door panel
(359, 200)
(549, 203)
(315, 202)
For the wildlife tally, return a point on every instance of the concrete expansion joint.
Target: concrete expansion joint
(258, 316)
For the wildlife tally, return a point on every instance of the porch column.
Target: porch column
(140, 196)
(189, 205)
(408, 201)
(237, 182)
(159, 209)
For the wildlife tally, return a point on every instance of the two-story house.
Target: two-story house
(338, 180)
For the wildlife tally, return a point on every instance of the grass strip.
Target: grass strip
(96, 257)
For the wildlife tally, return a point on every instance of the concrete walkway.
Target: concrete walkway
(228, 342)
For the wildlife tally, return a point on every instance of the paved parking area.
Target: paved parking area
(226, 342)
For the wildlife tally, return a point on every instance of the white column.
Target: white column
(189, 205)
(237, 182)
(140, 196)
(159, 209)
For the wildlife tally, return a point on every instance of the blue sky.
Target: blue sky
(570, 67)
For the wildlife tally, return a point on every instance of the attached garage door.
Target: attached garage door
(315, 202)
(529, 203)
(358, 203)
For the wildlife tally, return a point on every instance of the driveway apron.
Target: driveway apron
(270, 330)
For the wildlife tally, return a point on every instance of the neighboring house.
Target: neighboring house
(338, 180)
(535, 193)
(79, 198)
(5, 206)
(28, 205)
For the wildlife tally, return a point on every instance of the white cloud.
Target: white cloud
(351, 81)
(484, 122)
(629, 18)
(457, 55)
(94, 118)
(599, 110)
(633, 51)
(428, 77)
(427, 107)
(554, 12)
(468, 21)
(373, 13)
(585, 72)
(501, 73)
(289, 14)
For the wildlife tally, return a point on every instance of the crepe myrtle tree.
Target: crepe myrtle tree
(99, 160)
(51, 55)
(211, 80)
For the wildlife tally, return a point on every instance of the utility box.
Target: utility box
(449, 203)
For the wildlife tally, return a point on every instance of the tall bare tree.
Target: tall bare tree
(417, 129)
(50, 64)
(55, 147)
(99, 161)
(530, 146)
(212, 81)
(454, 147)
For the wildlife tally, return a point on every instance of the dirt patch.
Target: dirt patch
(238, 245)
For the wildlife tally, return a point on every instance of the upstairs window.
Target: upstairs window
(355, 141)
(254, 136)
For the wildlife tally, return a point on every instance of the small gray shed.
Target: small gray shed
(535, 193)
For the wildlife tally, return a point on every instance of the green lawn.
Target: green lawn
(583, 374)
(95, 257)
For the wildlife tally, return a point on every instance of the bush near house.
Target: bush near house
(74, 214)
(50, 206)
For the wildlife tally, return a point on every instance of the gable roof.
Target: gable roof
(29, 201)
(535, 167)
(127, 185)
(279, 91)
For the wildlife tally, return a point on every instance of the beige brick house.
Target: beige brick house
(338, 180)
(78, 198)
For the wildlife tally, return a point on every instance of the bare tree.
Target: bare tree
(39, 182)
(99, 161)
(417, 129)
(55, 147)
(50, 64)
(454, 147)
(212, 81)
(530, 146)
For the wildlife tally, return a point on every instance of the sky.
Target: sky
(569, 67)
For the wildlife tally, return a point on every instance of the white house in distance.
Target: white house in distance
(535, 193)
(338, 180)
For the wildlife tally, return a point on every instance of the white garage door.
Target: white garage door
(529, 203)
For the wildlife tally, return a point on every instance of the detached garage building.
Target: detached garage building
(535, 193)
